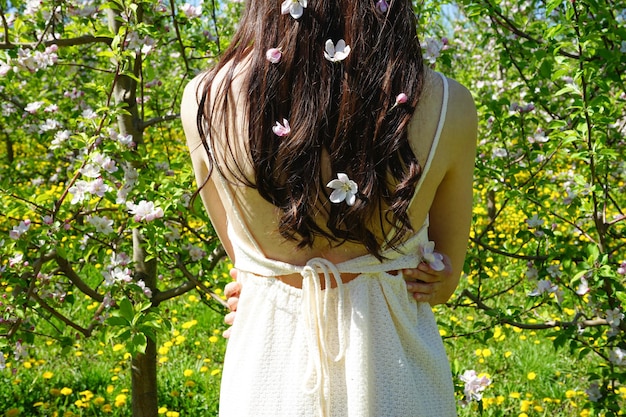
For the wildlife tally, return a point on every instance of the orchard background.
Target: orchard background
(111, 276)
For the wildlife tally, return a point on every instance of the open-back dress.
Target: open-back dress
(364, 348)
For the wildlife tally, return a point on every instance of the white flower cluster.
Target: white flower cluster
(29, 60)
(474, 386)
(117, 271)
(20, 229)
(81, 189)
(144, 211)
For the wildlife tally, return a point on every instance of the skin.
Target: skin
(445, 195)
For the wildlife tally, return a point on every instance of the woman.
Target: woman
(330, 159)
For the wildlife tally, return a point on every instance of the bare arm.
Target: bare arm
(451, 210)
(200, 161)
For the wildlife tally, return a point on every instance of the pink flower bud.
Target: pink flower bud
(273, 55)
(401, 99)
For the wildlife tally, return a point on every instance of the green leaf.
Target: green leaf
(126, 309)
(117, 321)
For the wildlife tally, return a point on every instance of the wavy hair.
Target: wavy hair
(344, 110)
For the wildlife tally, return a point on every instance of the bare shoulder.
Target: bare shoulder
(461, 118)
(189, 106)
(459, 135)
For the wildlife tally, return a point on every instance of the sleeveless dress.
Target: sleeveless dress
(365, 348)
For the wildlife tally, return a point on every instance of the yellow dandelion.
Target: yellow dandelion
(515, 394)
(213, 339)
(188, 372)
(189, 324)
(531, 376)
(99, 401)
(107, 408)
(120, 400)
(215, 372)
(47, 375)
(204, 369)
(12, 412)
(162, 410)
(525, 405)
(117, 347)
(65, 391)
(172, 414)
(88, 395)
(190, 384)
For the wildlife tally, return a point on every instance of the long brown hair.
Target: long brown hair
(344, 108)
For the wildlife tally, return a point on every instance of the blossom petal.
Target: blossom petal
(343, 177)
(329, 47)
(286, 6)
(338, 195)
(350, 199)
(335, 184)
(296, 10)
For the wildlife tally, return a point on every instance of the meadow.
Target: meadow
(92, 378)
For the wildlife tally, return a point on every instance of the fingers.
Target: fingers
(230, 318)
(233, 273)
(232, 289)
(422, 291)
(423, 272)
(232, 303)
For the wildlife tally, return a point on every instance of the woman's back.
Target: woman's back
(262, 218)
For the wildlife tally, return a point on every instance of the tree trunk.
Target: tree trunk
(144, 382)
(144, 365)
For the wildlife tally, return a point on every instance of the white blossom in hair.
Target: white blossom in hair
(343, 189)
(338, 52)
(294, 7)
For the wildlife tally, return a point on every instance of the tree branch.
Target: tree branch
(80, 40)
(215, 256)
(576, 322)
(156, 120)
(55, 313)
(69, 272)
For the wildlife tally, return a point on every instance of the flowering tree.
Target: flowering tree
(548, 229)
(95, 183)
(96, 188)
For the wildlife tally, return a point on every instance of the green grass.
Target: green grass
(529, 377)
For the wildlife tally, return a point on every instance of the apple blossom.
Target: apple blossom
(293, 7)
(282, 129)
(338, 52)
(343, 189)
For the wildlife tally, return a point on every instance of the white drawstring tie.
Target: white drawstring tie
(314, 311)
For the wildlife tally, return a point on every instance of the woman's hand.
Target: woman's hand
(231, 291)
(424, 282)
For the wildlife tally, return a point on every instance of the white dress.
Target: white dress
(365, 348)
